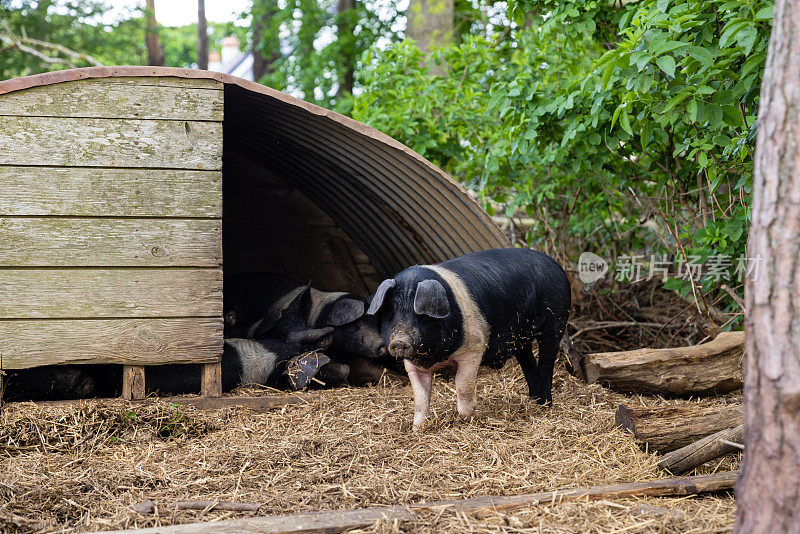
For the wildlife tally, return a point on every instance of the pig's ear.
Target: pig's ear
(431, 299)
(346, 310)
(380, 295)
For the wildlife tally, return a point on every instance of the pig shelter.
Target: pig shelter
(126, 191)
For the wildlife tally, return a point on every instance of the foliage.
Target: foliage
(312, 60)
(634, 126)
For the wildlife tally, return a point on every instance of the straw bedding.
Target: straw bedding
(72, 467)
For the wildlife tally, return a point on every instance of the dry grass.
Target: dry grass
(72, 468)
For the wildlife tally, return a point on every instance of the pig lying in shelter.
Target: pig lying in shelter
(479, 309)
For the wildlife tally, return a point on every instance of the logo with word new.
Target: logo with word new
(591, 267)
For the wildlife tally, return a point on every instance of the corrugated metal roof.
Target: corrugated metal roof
(399, 208)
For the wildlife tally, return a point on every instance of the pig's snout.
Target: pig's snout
(400, 348)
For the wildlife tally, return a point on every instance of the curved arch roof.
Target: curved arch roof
(399, 208)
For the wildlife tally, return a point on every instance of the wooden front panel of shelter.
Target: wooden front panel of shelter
(111, 225)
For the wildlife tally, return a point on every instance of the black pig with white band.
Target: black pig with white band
(479, 309)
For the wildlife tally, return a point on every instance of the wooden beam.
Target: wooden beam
(86, 192)
(710, 368)
(211, 380)
(56, 242)
(110, 293)
(709, 448)
(56, 141)
(99, 98)
(29, 344)
(133, 382)
(341, 520)
(666, 428)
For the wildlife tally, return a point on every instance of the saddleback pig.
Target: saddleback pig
(479, 309)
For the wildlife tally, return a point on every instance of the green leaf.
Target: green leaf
(691, 110)
(765, 13)
(677, 99)
(666, 47)
(703, 55)
(667, 64)
(625, 122)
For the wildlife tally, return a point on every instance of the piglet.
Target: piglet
(479, 309)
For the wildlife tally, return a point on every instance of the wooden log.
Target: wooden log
(709, 448)
(133, 384)
(86, 192)
(34, 343)
(211, 380)
(341, 520)
(137, 99)
(710, 368)
(667, 428)
(57, 141)
(109, 293)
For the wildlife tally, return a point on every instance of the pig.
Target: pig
(263, 305)
(478, 309)
(50, 382)
(245, 361)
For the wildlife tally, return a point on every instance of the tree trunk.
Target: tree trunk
(710, 368)
(768, 489)
(266, 44)
(672, 427)
(345, 35)
(430, 25)
(202, 36)
(155, 53)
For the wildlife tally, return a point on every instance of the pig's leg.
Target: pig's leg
(421, 383)
(466, 377)
(528, 364)
(548, 350)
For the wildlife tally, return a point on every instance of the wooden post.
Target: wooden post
(212, 380)
(133, 382)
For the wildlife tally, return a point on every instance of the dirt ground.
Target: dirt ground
(72, 467)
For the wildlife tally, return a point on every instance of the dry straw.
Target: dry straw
(74, 467)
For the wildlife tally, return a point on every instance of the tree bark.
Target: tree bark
(768, 489)
(709, 448)
(430, 25)
(672, 427)
(266, 43)
(155, 52)
(710, 368)
(345, 29)
(202, 36)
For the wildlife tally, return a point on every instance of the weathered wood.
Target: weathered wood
(81, 191)
(341, 520)
(92, 293)
(99, 98)
(110, 143)
(133, 385)
(711, 368)
(668, 428)
(149, 507)
(82, 242)
(709, 448)
(29, 344)
(211, 380)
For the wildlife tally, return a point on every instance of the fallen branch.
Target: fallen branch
(341, 520)
(667, 428)
(710, 368)
(149, 507)
(707, 449)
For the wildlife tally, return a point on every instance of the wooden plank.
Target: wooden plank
(57, 242)
(709, 448)
(211, 380)
(120, 341)
(133, 382)
(341, 520)
(167, 81)
(110, 143)
(95, 293)
(81, 191)
(99, 98)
